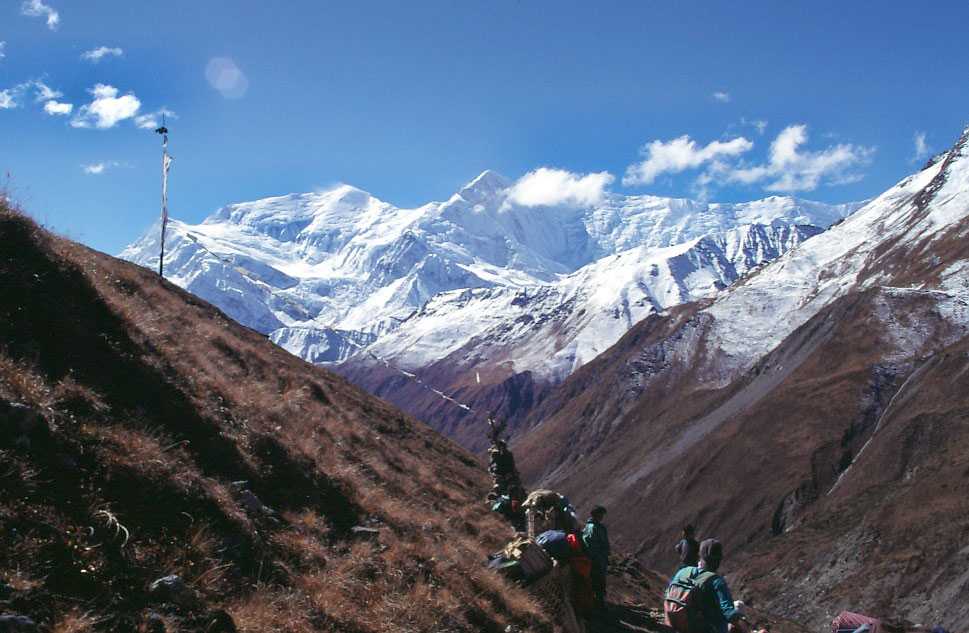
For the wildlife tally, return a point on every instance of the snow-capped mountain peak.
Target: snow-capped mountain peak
(341, 260)
(488, 185)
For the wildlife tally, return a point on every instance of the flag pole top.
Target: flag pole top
(162, 129)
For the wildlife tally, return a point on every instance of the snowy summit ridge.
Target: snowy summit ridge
(328, 273)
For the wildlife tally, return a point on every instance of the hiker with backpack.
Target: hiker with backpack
(698, 600)
(595, 538)
(688, 549)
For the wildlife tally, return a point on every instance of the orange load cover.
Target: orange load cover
(846, 622)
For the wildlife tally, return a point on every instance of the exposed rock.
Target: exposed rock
(220, 622)
(173, 589)
(252, 504)
(154, 623)
(22, 425)
(16, 624)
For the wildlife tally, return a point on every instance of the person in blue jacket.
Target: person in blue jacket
(716, 603)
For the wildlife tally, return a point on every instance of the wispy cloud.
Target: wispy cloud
(153, 120)
(99, 53)
(790, 168)
(57, 108)
(922, 150)
(96, 169)
(107, 109)
(3, 50)
(721, 96)
(680, 154)
(546, 186)
(36, 8)
(224, 75)
(43, 92)
(758, 124)
(13, 97)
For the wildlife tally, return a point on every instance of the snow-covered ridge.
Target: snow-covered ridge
(312, 269)
(872, 247)
(556, 328)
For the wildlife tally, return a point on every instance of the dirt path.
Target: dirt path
(623, 618)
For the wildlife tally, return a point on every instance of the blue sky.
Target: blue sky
(409, 100)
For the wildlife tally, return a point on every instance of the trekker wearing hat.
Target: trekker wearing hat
(716, 604)
(595, 538)
(688, 549)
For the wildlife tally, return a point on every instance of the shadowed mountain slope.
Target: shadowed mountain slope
(144, 434)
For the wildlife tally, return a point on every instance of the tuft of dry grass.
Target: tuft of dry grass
(20, 383)
(76, 621)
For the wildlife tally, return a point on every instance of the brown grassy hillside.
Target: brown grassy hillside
(756, 463)
(171, 440)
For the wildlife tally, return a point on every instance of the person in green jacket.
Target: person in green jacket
(720, 613)
(595, 538)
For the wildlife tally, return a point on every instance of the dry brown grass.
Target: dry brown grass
(164, 407)
(76, 621)
(20, 383)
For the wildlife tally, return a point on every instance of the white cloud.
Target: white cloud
(679, 155)
(922, 150)
(13, 97)
(99, 53)
(153, 120)
(224, 75)
(3, 50)
(789, 168)
(722, 97)
(546, 186)
(758, 124)
(55, 108)
(107, 109)
(43, 92)
(36, 8)
(96, 169)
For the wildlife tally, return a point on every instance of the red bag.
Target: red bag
(574, 543)
(846, 622)
(583, 598)
(680, 604)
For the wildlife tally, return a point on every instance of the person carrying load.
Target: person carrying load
(698, 600)
(507, 493)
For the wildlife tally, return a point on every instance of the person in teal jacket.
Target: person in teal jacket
(595, 538)
(717, 605)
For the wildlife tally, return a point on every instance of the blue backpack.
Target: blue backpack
(556, 544)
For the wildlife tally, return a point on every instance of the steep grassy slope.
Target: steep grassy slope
(161, 438)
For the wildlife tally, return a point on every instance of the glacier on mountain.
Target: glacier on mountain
(327, 274)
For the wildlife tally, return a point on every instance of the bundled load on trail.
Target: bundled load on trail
(522, 560)
(849, 622)
(550, 559)
(556, 570)
(547, 510)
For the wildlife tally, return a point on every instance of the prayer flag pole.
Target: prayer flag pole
(166, 164)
